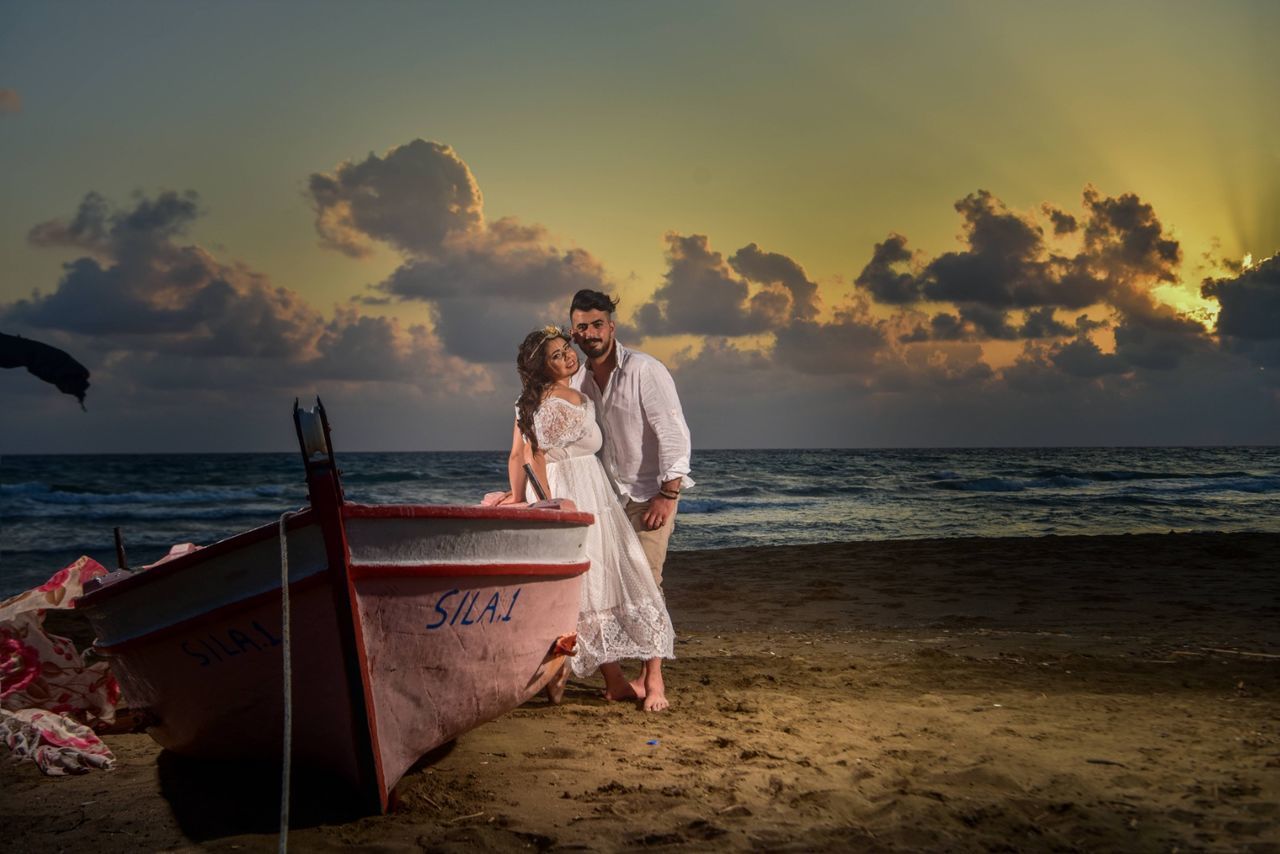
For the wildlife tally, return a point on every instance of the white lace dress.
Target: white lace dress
(622, 613)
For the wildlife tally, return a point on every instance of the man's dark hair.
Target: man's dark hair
(589, 300)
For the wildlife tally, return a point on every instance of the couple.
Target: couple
(623, 404)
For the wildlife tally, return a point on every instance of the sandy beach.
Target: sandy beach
(1116, 693)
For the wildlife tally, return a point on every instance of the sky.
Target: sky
(917, 224)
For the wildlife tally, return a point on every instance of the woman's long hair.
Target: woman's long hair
(531, 363)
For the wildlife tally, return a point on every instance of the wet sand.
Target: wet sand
(1049, 694)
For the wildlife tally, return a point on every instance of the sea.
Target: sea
(55, 508)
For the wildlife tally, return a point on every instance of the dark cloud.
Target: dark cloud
(987, 322)
(1009, 263)
(1248, 322)
(1040, 323)
(849, 345)
(486, 283)
(1063, 222)
(150, 293)
(927, 368)
(172, 314)
(702, 294)
(773, 269)
(1124, 238)
(486, 293)
(145, 228)
(1084, 359)
(883, 277)
(975, 322)
(1159, 346)
(414, 198)
(1250, 302)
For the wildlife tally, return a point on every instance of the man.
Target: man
(646, 441)
(646, 449)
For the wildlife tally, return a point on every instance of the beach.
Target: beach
(1116, 693)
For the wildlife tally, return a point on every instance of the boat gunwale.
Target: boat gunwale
(305, 517)
(462, 511)
(367, 571)
(142, 577)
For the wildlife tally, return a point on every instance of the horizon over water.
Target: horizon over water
(53, 508)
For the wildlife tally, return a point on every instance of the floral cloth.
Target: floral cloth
(40, 672)
(56, 743)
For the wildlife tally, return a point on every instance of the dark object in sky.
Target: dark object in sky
(47, 363)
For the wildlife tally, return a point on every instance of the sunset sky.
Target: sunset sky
(840, 224)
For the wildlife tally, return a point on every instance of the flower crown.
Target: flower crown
(552, 331)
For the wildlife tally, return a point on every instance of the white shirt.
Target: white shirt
(646, 440)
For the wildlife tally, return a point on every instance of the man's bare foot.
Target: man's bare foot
(655, 690)
(555, 688)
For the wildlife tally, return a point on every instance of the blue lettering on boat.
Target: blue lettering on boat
(217, 646)
(455, 610)
(440, 609)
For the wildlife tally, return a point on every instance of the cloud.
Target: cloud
(166, 313)
(1041, 323)
(1010, 276)
(1124, 238)
(850, 344)
(883, 277)
(414, 198)
(1083, 358)
(918, 349)
(1250, 302)
(774, 270)
(1248, 321)
(10, 101)
(703, 294)
(487, 283)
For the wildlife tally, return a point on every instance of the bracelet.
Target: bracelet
(665, 493)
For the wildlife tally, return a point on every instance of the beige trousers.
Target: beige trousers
(653, 542)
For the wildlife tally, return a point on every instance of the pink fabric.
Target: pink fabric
(43, 671)
(174, 552)
(57, 744)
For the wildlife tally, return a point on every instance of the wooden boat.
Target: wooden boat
(410, 625)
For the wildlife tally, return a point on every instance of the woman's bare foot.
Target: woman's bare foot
(655, 690)
(555, 688)
(616, 686)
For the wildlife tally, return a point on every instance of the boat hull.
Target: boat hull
(449, 616)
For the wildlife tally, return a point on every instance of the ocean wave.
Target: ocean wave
(1227, 482)
(30, 487)
(385, 476)
(982, 484)
(716, 505)
(44, 494)
(252, 514)
(813, 490)
(1234, 483)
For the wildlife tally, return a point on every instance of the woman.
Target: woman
(622, 614)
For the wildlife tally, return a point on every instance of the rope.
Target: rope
(287, 654)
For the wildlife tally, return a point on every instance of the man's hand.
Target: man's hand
(660, 510)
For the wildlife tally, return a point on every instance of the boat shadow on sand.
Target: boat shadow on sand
(213, 799)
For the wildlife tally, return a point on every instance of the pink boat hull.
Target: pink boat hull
(435, 620)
